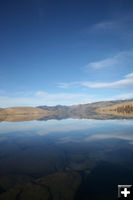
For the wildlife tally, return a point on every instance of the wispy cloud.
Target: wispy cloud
(119, 25)
(129, 76)
(2, 92)
(124, 96)
(67, 85)
(64, 98)
(126, 82)
(109, 62)
(51, 99)
(44, 98)
(119, 59)
(106, 25)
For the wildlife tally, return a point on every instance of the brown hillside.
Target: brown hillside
(3, 114)
(16, 114)
(22, 114)
(24, 110)
(122, 109)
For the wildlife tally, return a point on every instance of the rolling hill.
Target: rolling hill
(97, 110)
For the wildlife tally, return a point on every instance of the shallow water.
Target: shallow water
(65, 159)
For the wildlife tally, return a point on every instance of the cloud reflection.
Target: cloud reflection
(73, 130)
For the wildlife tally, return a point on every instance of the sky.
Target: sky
(65, 51)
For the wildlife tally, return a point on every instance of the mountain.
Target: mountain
(99, 110)
(88, 111)
(24, 113)
(124, 108)
(84, 108)
(53, 108)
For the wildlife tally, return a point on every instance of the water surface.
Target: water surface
(76, 159)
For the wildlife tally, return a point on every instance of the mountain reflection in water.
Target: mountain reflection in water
(70, 159)
(18, 115)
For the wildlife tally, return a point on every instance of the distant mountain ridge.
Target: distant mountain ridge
(125, 108)
(53, 108)
(89, 110)
(97, 110)
(88, 106)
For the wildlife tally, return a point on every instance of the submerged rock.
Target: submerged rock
(57, 186)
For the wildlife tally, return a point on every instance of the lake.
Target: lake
(70, 159)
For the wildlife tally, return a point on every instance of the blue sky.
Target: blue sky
(65, 52)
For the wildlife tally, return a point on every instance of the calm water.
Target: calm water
(67, 159)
